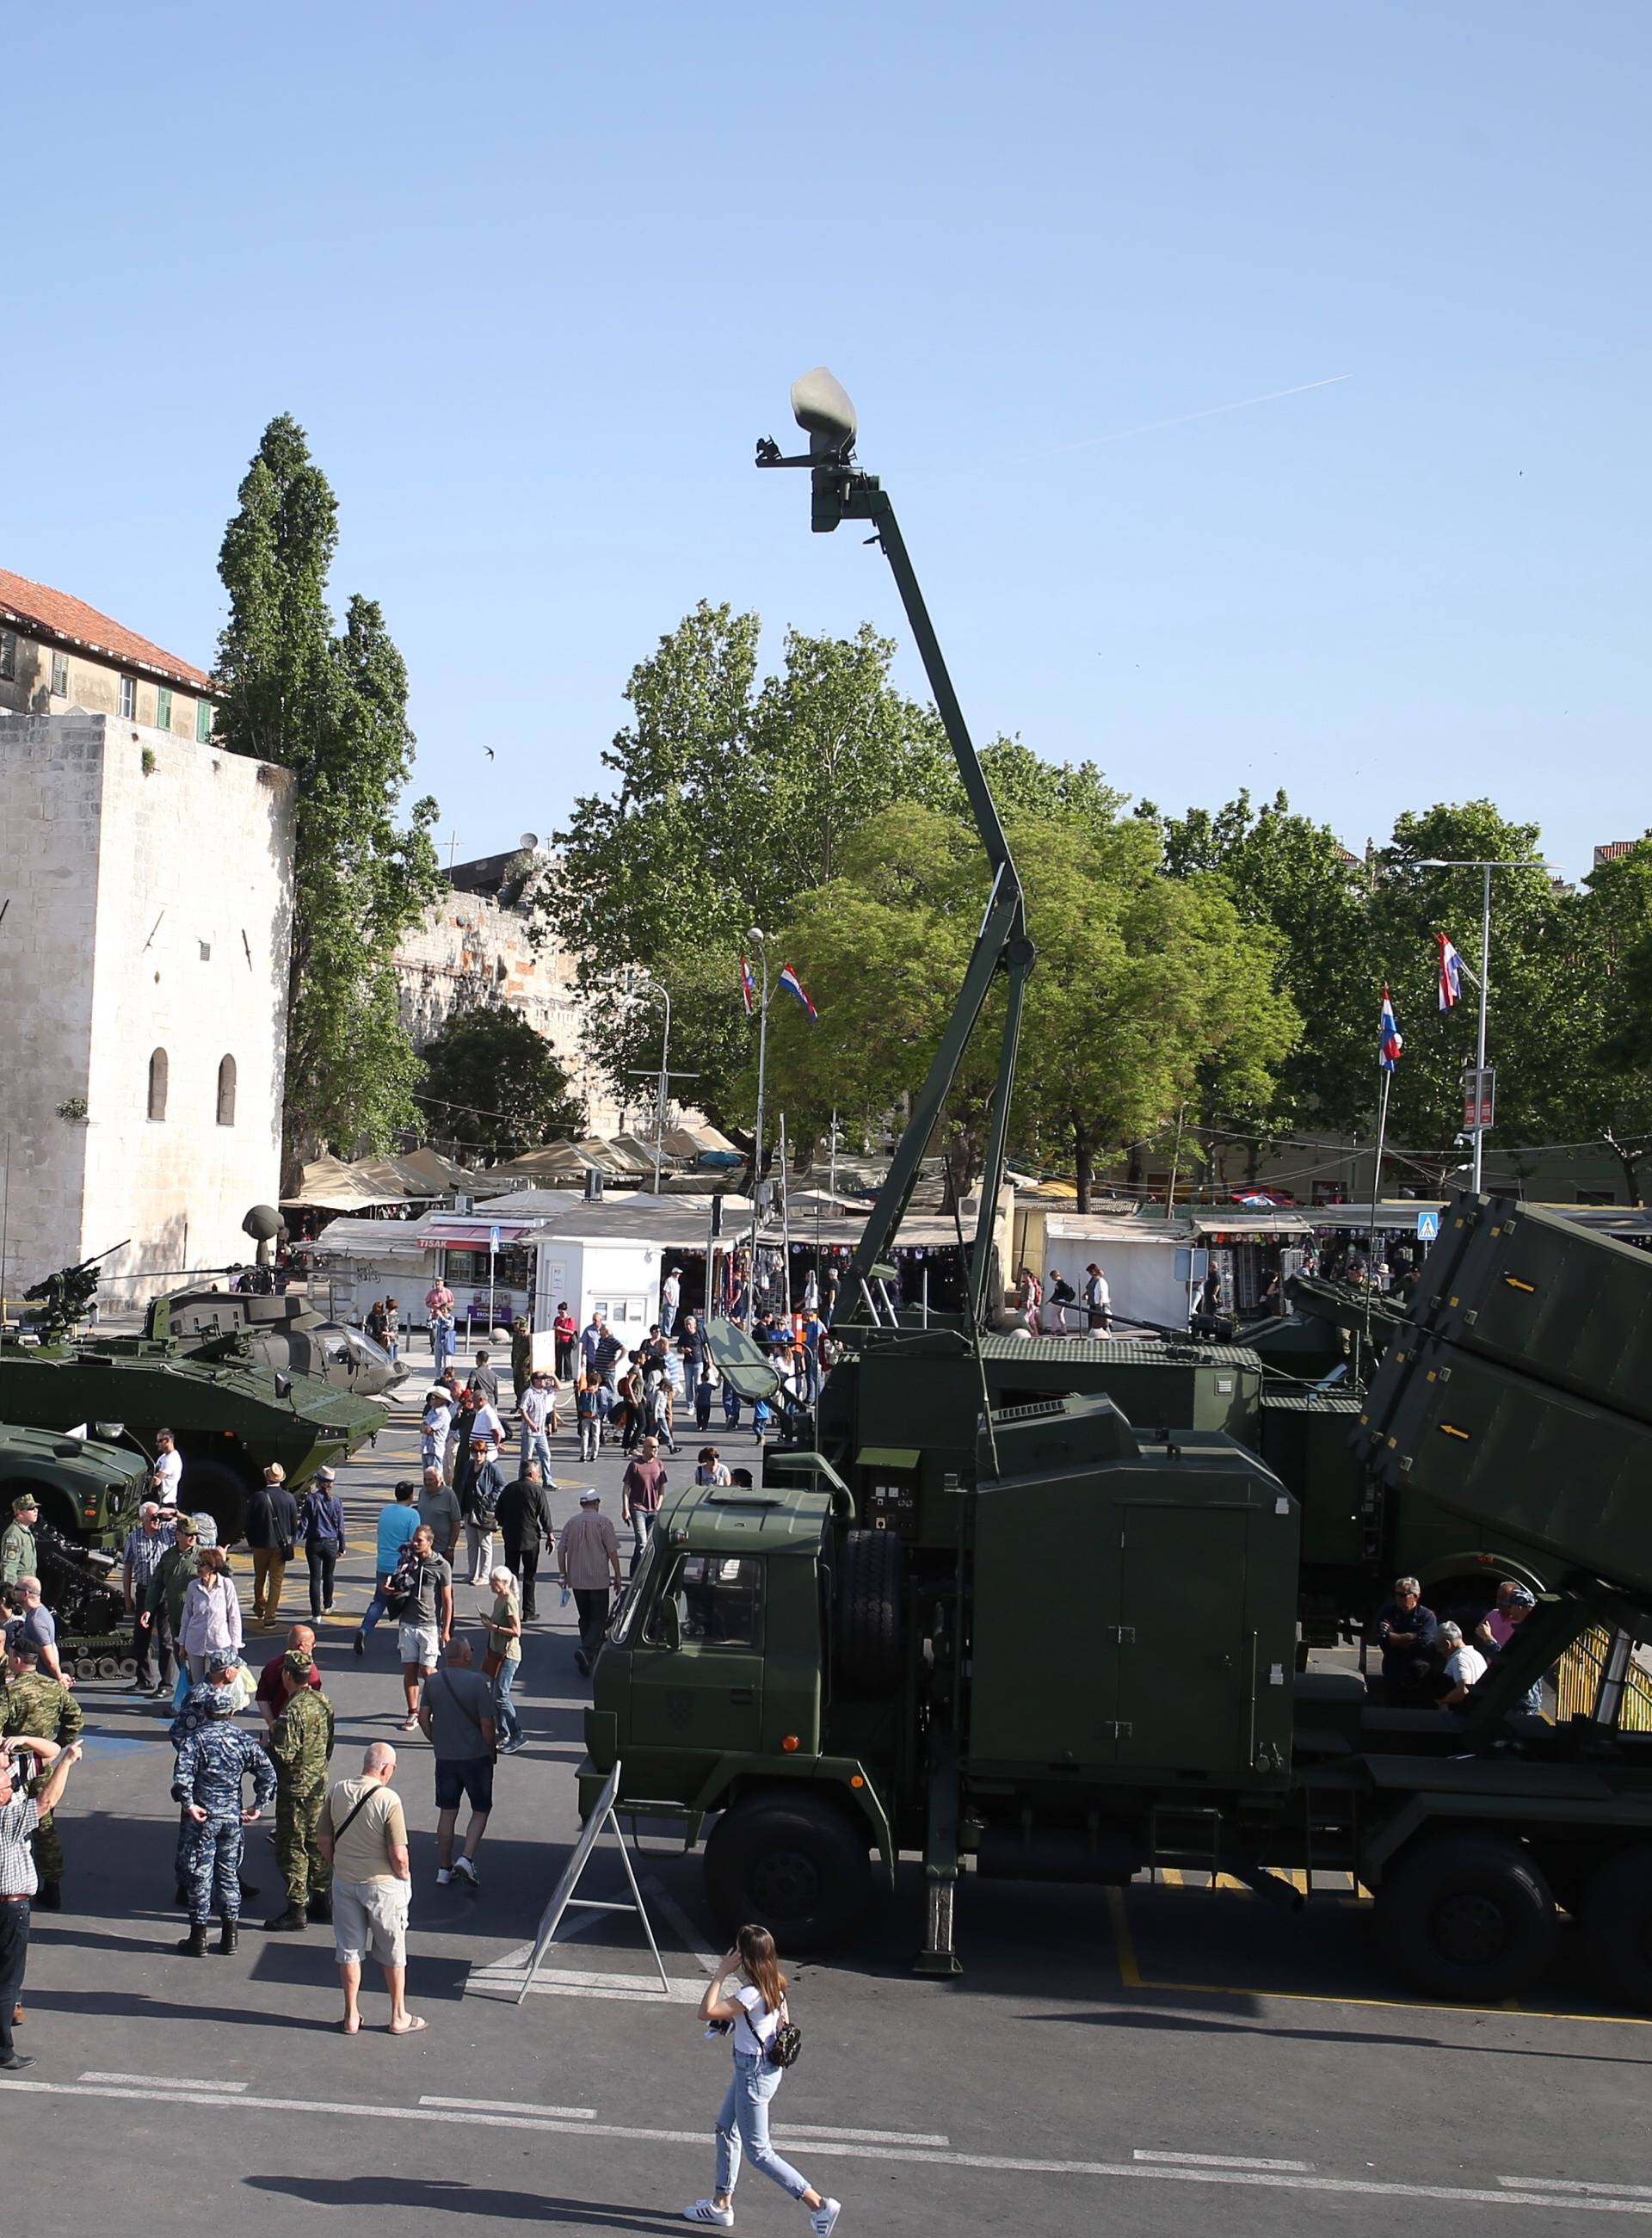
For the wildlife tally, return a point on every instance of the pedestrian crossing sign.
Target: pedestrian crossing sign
(1428, 1227)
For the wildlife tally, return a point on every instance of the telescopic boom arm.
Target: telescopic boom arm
(842, 492)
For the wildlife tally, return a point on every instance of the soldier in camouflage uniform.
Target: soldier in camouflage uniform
(300, 1741)
(212, 1764)
(17, 1556)
(36, 1704)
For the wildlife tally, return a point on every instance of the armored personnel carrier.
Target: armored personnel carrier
(282, 1333)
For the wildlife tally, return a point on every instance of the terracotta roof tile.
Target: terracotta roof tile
(22, 601)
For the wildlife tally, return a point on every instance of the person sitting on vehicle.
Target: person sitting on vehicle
(1406, 1633)
(1464, 1665)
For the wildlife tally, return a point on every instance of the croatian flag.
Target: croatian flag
(747, 987)
(1450, 974)
(1389, 1054)
(794, 986)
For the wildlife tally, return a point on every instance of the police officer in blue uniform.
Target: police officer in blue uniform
(212, 1764)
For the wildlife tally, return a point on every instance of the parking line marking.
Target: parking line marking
(513, 2106)
(1221, 2161)
(997, 2164)
(164, 2081)
(803, 2133)
(1132, 1978)
(1564, 2184)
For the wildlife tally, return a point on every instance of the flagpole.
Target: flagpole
(1377, 1175)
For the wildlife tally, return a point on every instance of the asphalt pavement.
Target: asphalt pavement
(1169, 2055)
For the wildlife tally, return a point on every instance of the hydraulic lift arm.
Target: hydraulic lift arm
(842, 492)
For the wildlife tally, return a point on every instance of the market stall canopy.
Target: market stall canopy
(552, 1161)
(695, 1142)
(327, 1184)
(367, 1240)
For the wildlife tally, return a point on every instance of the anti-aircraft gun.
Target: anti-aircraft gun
(65, 1297)
(1038, 1637)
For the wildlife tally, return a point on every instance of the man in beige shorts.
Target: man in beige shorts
(363, 1838)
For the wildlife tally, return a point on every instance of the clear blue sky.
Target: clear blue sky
(534, 278)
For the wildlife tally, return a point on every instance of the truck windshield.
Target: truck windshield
(719, 1602)
(620, 1623)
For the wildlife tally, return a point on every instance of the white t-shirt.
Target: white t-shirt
(1466, 1668)
(169, 1468)
(487, 1424)
(748, 2037)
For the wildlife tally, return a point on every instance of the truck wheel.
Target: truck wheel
(213, 1488)
(793, 1864)
(868, 1613)
(1618, 1927)
(1467, 1916)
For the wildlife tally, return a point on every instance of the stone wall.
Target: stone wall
(472, 950)
(151, 887)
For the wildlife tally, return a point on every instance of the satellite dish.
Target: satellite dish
(529, 840)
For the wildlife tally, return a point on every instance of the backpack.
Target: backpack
(404, 1581)
(1064, 1294)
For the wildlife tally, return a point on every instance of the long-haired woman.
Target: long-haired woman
(747, 1995)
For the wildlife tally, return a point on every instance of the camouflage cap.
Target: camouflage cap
(24, 1500)
(219, 1660)
(296, 1664)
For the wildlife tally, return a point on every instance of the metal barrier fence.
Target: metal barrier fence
(1577, 1678)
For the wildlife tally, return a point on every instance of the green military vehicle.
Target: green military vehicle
(1032, 1640)
(88, 1494)
(231, 1418)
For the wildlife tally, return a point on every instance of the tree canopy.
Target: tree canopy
(492, 1086)
(331, 706)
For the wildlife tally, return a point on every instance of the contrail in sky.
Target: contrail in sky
(1180, 420)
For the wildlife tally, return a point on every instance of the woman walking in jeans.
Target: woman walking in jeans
(754, 2007)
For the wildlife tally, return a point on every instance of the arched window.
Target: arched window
(226, 1092)
(157, 1084)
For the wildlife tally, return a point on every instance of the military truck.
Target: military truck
(88, 1494)
(1037, 1641)
(230, 1417)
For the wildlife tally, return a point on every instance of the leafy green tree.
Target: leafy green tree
(1611, 1000)
(1146, 987)
(1285, 871)
(493, 1086)
(332, 707)
(728, 797)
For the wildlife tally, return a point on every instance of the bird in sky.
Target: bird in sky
(488, 751)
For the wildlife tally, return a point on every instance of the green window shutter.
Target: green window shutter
(163, 710)
(203, 720)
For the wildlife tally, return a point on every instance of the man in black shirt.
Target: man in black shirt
(1406, 1633)
(269, 1530)
(525, 1524)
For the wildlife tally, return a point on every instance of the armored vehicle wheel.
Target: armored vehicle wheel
(86, 1666)
(1467, 1916)
(868, 1613)
(213, 1486)
(1618, 1927)
(107, 1667)
(794, 1865)
(128, 1666)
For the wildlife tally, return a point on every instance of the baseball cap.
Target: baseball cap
(1521, 1598)
(589, 1496)
(24, 1500)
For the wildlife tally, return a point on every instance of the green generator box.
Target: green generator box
(1172, 1659)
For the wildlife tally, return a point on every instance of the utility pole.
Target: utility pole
(1482, 1122)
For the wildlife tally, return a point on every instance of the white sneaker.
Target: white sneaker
(703, 2211)
(823, 2217)
(464, 1870)
(444, 1876)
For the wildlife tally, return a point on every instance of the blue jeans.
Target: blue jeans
(509, 1726)
(535, 1447)
(667, 1315)
(744, 2122)
(441, 1346)
(375, 1608)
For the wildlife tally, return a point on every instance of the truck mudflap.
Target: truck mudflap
(1489, 1791)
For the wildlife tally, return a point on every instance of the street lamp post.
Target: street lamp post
(754, 936)
(1485, 869)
